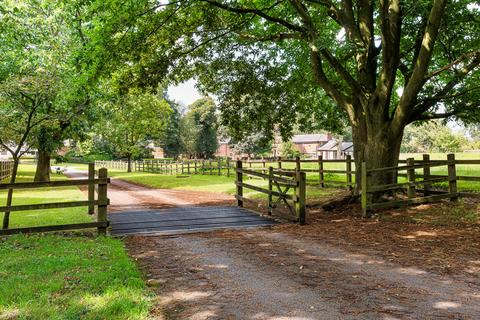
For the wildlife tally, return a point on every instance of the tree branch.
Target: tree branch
(417, 79)
(258, 12)
(455, 62)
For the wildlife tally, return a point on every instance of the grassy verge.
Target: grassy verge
(58, 276)
(69, 277)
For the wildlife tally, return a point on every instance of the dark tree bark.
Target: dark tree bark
(129, 163)
(13, 178)
(42, 172)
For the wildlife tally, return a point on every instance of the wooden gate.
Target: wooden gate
(280, 185)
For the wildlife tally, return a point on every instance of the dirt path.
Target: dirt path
(287, 273)
(125, 196)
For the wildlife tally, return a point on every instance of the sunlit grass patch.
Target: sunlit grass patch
(69, 277)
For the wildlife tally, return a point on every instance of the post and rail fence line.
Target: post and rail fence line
(425, 179)
(279, 179)
(6, 167)
(224, 166)
(101, 202)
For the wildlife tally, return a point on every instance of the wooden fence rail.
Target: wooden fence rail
(318, 167)
(283, 181)
(425, 179)
(111, 164)
(101, 202)
(6, 167)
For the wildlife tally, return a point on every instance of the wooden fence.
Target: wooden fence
(279, 179)
(305, 165)
(225, 166)
(110, 164)
(92, 182)
(414, 180)
(190, 166)
(6, 167)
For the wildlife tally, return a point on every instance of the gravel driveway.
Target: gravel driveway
(274, 274)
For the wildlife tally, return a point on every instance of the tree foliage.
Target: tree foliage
(133, 120)
(378, 65)
(433, 136)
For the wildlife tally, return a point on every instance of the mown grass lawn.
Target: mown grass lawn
(65, 275)
(69, 277)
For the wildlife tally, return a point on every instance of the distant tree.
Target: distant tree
(199, 129)
(433, 136)
(132, 120)
(253, 145)
(288, 149)
(172, 140)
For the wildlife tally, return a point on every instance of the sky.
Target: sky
(185, 93)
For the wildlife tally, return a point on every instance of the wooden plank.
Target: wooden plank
(334, 171)
(196, 228)
(467, 161)
(300, 193)
(62, 183)
(259, 189)
(72, 226)
(418, 200)
(396, 186)
(53, 205)
(91, 188)
(411, 179)
(253, 173)
(239, 180)
(193, 222)
(469, 194)
(452, 177)
(409, 167)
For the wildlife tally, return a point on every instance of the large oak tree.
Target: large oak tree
(382, 64)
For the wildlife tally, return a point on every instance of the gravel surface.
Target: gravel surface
(280, 275)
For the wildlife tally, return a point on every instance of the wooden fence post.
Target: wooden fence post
(298, 164)
(426, 174)
(300, 197)
(411, 178)
(219, 166)
(349, 172)
(452, 177)
(270, 188)
(279, 162)
(102, 200)
(364, 189)
(195, 162)
(91, 188)
(239, 183)
(320, 171)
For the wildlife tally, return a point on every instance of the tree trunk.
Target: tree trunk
(13, 177)
(129, 162)
(378, 145)
(43, 166)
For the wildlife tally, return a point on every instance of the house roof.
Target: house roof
(332, 145)
(306, 138)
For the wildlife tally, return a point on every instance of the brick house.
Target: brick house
(308, 144)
